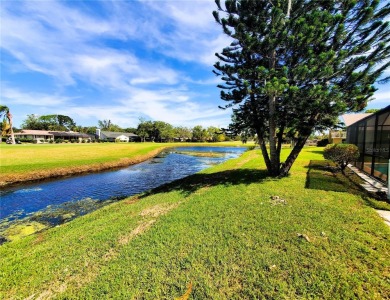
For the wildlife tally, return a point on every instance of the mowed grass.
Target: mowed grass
(214, 235)
(34, 157)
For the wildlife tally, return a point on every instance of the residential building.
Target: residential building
(116, 136)
(340, 136)
(337, 136)
(42, 136)
(38, 136)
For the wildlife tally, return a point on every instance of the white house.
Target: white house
(115, 136)
(122, 138)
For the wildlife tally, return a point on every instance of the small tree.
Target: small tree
(6, 127)
(341, 154)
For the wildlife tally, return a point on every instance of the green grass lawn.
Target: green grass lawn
(214, 235)
(33, 157)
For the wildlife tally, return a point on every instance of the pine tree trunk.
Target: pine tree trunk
(264, 151)
(293, 156)
(274, 157)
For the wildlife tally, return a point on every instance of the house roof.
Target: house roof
(350, 119)
(52, 133)
(111, 134)
(34, 132)
(69, 134)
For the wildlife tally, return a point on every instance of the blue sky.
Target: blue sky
(117, 60)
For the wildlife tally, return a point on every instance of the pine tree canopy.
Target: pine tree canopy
(294, 66)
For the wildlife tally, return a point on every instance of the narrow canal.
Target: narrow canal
(88, 192)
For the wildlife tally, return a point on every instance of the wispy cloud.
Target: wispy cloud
(13, 96)
(381, 98)
(177, 107)
(189, 31)
(138, 57)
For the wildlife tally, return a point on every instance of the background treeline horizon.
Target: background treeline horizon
(157, 131)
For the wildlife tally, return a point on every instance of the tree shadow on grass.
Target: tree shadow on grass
(324, 175)
(192, 183)
(316, 151)
(320, 177)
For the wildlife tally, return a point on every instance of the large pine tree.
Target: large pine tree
(294, 66)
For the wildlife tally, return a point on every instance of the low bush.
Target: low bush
(341, 154)
(26, 140)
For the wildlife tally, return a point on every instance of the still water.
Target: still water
(21, 201)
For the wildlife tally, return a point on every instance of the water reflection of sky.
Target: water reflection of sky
(135, 179)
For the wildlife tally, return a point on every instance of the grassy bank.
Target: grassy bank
(215, 235)
(25, 162)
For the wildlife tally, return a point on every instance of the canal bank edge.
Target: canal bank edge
(14, 179)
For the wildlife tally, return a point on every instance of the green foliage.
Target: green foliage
(144, 129)
(293, 69)
(199, 134)
(372, 110)
(159, 131)
(27, 140)
(6, 123)
(108, 126)
(183, 133)
(341, 154)
(49, 122)
(32, 122)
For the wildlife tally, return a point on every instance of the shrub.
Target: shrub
(23, 140)
(341, 154)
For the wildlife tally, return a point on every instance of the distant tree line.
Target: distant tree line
(147, 130)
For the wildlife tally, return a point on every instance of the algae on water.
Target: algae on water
(18, 231)
(14, 228)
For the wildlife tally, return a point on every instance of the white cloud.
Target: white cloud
(72, 44)
(59, 42)
(381, 98)
(192, 35)
(13, 96)
(177, 107)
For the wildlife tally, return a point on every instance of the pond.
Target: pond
(81, 194)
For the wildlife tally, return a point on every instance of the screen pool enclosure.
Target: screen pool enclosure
(372, 136)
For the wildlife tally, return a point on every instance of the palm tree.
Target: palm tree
(7, 122)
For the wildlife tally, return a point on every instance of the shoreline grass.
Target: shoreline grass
(218, 232)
